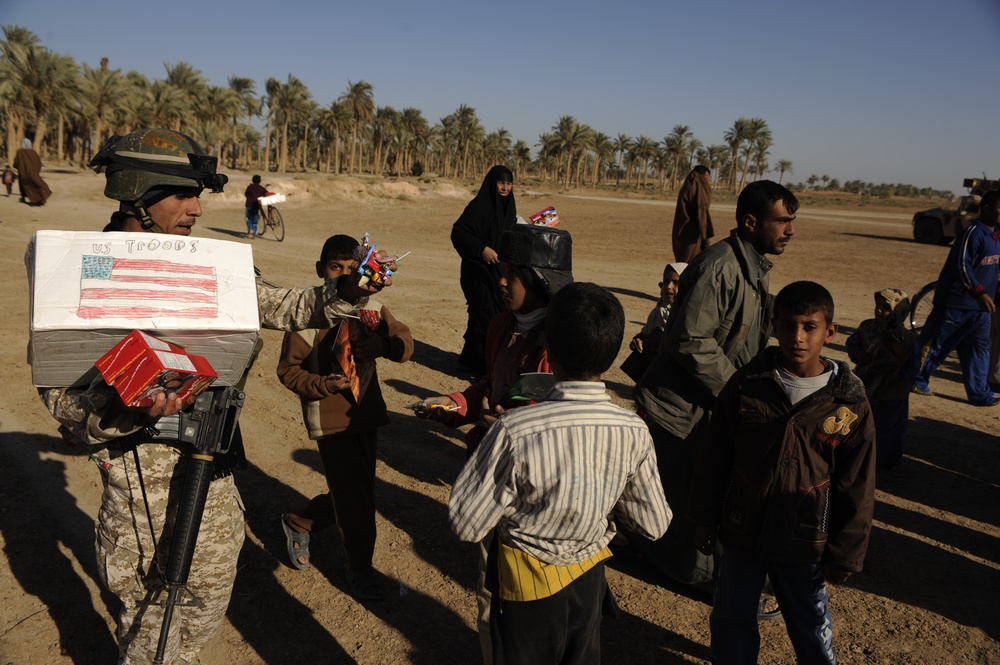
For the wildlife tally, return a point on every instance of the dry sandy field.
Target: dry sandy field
(928, 593)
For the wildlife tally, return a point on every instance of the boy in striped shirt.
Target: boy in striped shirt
(549, 478)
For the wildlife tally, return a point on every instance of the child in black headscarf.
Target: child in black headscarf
(887, 357)
(475, 236)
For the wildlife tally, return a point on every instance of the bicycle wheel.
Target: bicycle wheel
(921, 305)
(276, 223)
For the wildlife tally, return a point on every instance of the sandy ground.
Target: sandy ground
(927, 594)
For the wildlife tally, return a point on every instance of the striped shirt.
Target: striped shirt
(550, 477)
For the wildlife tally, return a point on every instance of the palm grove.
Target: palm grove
(70, 109)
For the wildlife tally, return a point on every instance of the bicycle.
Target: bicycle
(270, 216)
(921, 305)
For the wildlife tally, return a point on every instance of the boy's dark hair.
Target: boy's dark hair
(584, 328)
(759, 196)
(804, 298)
(702, 169)
(338, 247)
(989, 198)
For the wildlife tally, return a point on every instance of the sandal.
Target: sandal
(297, 545)
(764, 614)
(364, 584)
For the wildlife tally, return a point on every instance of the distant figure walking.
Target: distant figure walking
(28, 164)
(8, 178)
(692, 220)
(475, 236)
(253, 193)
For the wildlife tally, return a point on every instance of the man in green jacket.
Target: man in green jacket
(721, 321)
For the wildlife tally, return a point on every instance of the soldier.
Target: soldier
(157, 175)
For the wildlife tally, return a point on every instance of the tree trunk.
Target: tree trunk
(267, 146)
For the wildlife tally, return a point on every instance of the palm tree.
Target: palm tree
(291, 101)
(497, 147)
(194, 87)
(678, 146)
(784, 166)
(645, 151)
(244, 89)
(272, 87)
(469, 132)
(546, 160)
(734, 137)
(522, 157)
(15, 73)
(414, 132)
(623, 145)
(756, 130)
(162, 105)
(220, 105)
(360, 99)
(54, 78)
(384, 126)
(101, 93)
(604, 153)
(565, 140)
(718, 161)
(761, 153)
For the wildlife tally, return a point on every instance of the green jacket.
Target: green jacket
(706, 339)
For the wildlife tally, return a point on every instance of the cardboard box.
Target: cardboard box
(88, 290)
(140, 367)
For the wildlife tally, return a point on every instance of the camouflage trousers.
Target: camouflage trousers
(125, 548)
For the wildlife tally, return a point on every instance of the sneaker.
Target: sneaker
(987, 402)
(922, 391)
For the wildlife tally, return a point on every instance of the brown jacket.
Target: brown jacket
(789, 484)
(308, 356)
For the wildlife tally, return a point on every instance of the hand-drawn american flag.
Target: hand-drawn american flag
(141, 288)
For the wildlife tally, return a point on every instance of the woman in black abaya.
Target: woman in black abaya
(475, 236)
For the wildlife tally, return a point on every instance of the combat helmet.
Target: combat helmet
(152, 159)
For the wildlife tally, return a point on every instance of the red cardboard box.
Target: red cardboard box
(142, 366)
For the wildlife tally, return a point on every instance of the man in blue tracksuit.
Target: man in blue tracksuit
(963, 305)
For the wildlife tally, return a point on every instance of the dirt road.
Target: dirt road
(927, 594)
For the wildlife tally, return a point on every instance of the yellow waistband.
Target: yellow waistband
(523, 577)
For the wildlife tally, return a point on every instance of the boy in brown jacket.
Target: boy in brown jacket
(787, 477)
(333, 373)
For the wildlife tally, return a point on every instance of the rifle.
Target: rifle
(208, 426)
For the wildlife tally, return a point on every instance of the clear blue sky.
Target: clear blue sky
(878, 90)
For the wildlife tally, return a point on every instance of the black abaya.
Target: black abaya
(480, 225)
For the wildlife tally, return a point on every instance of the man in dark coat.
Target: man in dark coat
(475, 236)
(34, 191)
(692, 220)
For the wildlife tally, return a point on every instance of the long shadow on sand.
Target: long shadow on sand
(642, 295)
(436, 633)
(44, 531)
(875, 236)
(927, 559)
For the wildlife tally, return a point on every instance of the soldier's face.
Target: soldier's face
(178, 213)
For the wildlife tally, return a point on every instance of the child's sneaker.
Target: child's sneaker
(923, 390)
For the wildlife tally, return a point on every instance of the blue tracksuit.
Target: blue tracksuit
(958, 321)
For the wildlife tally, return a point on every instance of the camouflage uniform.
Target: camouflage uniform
(124, 544)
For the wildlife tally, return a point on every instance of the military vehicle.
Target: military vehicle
(939, 226)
